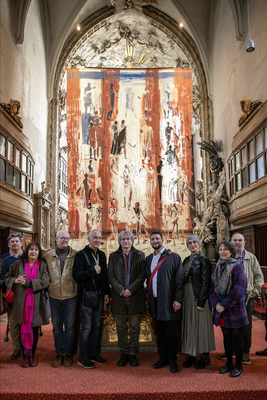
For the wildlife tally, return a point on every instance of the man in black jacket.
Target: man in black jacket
(90, 271)
(126, 273)
(165, 291)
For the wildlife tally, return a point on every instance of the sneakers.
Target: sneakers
(57, 361)
(98, 359)
(223, 356)
(262, 352)
(86, 363)
(245, 359)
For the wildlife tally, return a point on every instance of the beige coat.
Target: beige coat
(39, 285)
(62, 287)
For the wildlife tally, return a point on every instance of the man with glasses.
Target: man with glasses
(63, 298)
(14, 241)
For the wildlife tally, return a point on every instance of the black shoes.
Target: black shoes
(189, 362)
(236, 372)
(123, 360)
(161, 363)
(262, 352)
(226, 369)
(203, 362)
(133, 361)
(98, 359)
(174, 367)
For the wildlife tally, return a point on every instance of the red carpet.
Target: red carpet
(110, 382)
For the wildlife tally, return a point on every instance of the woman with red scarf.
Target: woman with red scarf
(28, 277)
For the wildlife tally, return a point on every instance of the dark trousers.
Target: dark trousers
(126, 347)
(167, 339)
(230, 337)
(247, 329)
(34, 345)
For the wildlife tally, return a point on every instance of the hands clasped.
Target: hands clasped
(21, 280)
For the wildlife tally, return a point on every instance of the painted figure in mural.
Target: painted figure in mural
(87, 190)
(129, 106)
(128, 187)
(122, 138)
(96, 119)
(114, 130)
(90, 168)
(150, 182)
(148, 104)
(160, 177)
(168, 133)
(147, 133)
(111, 101)
(175, 219)
(87, 99)
(166, 98)
(138, 214)
(171, 155)
(92, 140)
(113, 215)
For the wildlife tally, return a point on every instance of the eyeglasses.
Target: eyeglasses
(63, 238)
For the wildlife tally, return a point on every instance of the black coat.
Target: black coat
(116, 276)
(170, 286)
(84, 273)
(200, 273)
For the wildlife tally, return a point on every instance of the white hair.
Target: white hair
(62, 232)
(90, 234)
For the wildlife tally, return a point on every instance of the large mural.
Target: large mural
(129, 154)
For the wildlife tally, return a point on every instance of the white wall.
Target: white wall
(23, 78)
(236, 74)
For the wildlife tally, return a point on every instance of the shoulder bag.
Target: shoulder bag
(90, 299)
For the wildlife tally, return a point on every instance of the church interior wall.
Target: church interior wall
(23, 78)
(236, 74)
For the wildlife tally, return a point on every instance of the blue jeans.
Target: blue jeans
(89, 336)
(63, 312)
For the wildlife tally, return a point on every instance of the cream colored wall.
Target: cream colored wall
(236, 74)
(23, 78)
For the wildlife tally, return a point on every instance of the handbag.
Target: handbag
(90, 299)
(10, 296)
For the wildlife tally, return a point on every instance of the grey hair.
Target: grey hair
(60, 232)
(90, 234)
(13, 235)
(128, 233)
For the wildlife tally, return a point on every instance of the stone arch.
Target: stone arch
(90, 26)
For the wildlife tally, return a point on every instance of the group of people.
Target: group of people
(79, 284)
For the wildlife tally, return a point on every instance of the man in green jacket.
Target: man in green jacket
(63, 297)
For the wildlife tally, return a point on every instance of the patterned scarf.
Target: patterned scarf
(187, 266)
(26, 333)
(222, 283)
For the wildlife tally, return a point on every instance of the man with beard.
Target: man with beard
(255, 281)
(165, 293)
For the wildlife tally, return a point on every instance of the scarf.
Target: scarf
(222, 283)
(26, 332)
(187, 266)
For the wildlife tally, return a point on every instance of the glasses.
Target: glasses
(63, 238)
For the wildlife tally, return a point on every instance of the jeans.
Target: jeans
(132, 347)
(247, 329)
(63, 312)
(89, 336)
